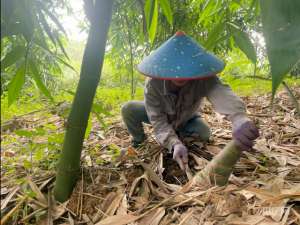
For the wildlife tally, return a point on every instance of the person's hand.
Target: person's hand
(180, 154)
(244, 133)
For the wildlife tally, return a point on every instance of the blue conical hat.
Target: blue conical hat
(180, 58)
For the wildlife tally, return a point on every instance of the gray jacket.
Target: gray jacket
(168, 111)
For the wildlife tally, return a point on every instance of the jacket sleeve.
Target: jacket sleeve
(163, 130)
(224, 101)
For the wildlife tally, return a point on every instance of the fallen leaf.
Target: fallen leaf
(233, 219)
(114, 204)
(118, 220)
(131, 152)
(122, 210)
(5, 201)
(247, 194)
(153, 218)
(39, 195)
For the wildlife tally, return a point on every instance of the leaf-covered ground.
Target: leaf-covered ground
(121, 185)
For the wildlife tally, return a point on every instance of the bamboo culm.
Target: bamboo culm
(68, 168)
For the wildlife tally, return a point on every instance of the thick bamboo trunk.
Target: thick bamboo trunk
(218, 170)
(69, 164)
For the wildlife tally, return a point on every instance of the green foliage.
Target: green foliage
(243, 41)
(281, 29)
(152, 26)
(151, 13)
(238, 74)
(26, 103)
(88, 128)
(31, 32)
(13, 56)
(222, 24)
(114, 151)
(166, 8)
(38, 81)
(16, 84)
(206, 21)
(213, 35)
(39, 149)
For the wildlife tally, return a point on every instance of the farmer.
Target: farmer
(181, 74)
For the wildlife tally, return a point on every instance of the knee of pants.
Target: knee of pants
(202, 131)
(205, 134)
(127, 108)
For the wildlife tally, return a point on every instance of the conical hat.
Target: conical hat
(180, 58)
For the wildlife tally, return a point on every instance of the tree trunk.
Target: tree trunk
(69, 163)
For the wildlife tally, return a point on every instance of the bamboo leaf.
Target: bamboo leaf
(88, 128)
(206, 10)
(166, 8)
(41, 42)
(153, 26)
(16, 84)
(53, 18)
(12, 57)
(64, 62)
(148, 8)
(47, 28)
(214, 35)
(151, 13)
(253, 8)
(59, 59)
(38, 81)
(53, 36)
(61, 46)
(243, 41)
(281, 30)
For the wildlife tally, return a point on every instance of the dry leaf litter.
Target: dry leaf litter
(120, 185)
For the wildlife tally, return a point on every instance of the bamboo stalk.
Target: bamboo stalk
(69, 164)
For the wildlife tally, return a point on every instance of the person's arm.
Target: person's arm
(224, 101)
(163, 130)
(227, 103)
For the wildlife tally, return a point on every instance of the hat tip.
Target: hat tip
(179, 33)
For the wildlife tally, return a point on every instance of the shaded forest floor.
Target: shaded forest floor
(121, 185)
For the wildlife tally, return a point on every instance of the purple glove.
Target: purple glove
(244, 132)
(180, 154)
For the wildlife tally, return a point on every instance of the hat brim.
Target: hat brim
(202, 77)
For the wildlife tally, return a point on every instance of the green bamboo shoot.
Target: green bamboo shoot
(218, 170)
(69, 163)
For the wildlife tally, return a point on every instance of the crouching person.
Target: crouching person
(181, 73)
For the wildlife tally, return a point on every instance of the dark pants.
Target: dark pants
(134, 114)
